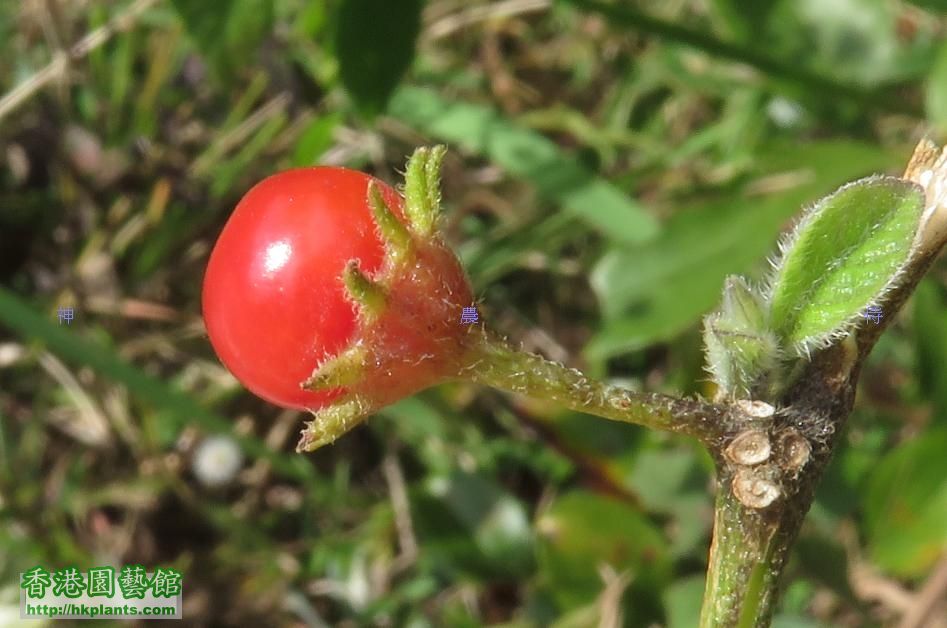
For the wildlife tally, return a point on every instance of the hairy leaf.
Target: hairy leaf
(845, 253)
(653, 292)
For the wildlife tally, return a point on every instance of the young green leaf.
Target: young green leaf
(844, 255)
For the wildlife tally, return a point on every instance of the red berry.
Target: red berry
(273, 302)
(279, 314)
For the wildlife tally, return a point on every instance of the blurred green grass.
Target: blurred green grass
(610, 163)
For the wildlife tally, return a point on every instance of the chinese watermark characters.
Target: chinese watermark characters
(100, 591)
(468, 315)
(66, 314)
(873, 313)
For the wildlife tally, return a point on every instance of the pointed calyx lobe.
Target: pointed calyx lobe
(408, 334)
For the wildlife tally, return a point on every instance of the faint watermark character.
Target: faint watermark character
(873, 313)
(66, 314)
(468, 315)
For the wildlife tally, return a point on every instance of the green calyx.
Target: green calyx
(422, 208)
(363, 371)
(343, 369)
(395, 235)
(331, 422)
(422, 189)
(370, 295)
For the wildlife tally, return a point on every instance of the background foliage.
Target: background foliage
(611, 162)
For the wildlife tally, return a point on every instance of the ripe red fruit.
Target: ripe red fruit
(310, 283)
(273, 302)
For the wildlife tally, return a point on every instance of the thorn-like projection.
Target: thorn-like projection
(394, 234)
(370, 296)
(340, 370)
(422, 189)
(331, 422)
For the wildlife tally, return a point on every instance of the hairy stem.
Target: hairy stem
(747, 556)
(750, 545)
(493, 362)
